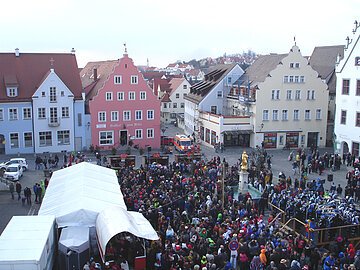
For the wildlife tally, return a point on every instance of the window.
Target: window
(43, 94)
(28, 139)
(297, 65)
(291, 65)
(138, 115)
(142, 95)
(120, 95)
(318, 114)
(165, 105)
(284, 115)
(213, 109)
(307, 114)
(150, 114)
(175, 105)
(52, 94)
(26, 113)
(14, 140)
(131, 95)
(62, 93)
(308, 94)
(182, 105)
(288, 94)
(150, 133)
(184, 95)
(286, 79)
(63, 137)
(343, 117)
(345, 86)
(298, 94)
(275, 115)
(13, 114)
(177, 95)
(357, 120)
(45, 138)
(106, 137)
(108, 96)
(126, 115)
(134, 79)
(291, 79)
(302, 79)
(219, 94)
(296, 79)
(114, 116)
(41, 113)
(79, 119)
(184, 86)
(101, 116)
(357, 87)
(1, 115)
(65, 112)
(12, 92)
(117, 79)
(228, 79)
(312, 94)
(275, 94)
(296, 115)
(53, 115)
(265, 115)
(138, 133)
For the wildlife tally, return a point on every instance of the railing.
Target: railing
(319, 236)
(54, 121)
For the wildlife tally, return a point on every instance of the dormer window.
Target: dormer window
(12, 91)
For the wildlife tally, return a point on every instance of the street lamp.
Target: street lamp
(261, 126)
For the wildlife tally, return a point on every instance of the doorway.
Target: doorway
(123, 137)
(312, 139)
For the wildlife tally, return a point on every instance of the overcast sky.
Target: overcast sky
(166, 31)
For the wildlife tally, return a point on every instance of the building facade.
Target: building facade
(41, 103)
(123, 109)
(347, 116)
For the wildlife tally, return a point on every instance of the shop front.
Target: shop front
(292, 139)
(270, 140)
(237, 138)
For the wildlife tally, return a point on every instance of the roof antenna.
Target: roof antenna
(125, 49)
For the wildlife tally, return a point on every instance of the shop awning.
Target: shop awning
(236, 132)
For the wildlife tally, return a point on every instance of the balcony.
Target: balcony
(54, 121)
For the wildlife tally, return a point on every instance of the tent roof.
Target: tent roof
(74, 238)
(115, 220)
(25, 237)
(77, 194)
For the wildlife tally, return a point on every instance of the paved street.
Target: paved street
(9, 207)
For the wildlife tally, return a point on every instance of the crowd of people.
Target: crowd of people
(197, 230)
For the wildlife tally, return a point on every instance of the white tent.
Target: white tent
(77, 194)
(115, 220)
(28, 242)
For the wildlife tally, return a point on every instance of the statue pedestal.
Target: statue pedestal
(243, 182)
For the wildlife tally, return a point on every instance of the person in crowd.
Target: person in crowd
(12, 190)
(18, 189)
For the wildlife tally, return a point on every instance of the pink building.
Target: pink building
(123, 108)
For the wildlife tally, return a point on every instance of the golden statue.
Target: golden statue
(244, 161)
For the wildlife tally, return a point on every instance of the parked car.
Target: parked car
(20, 161)
(167, 140)
(13, 172)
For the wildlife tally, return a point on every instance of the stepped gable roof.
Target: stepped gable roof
(323, 61)
(199, 90)
(28, 70)
(92, 85)
(261, 68)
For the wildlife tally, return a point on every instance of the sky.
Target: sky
(166, 31)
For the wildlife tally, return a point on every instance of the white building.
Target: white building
(347, 117)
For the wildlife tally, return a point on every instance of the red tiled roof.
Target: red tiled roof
(166, 98)
(163, 83)
(175, 83)
(27, 71)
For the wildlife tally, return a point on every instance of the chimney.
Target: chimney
(17, 53)
(95, 74)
